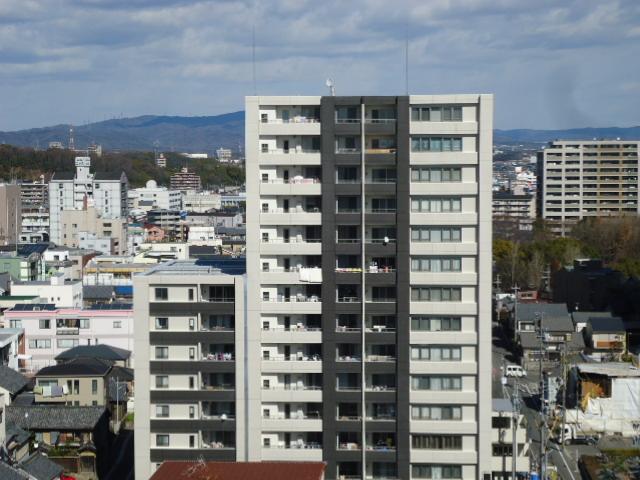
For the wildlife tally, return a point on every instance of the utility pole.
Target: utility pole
(514, 427)
(564, 391)
(543, 423)
(516, 289)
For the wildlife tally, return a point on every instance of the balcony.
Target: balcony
(218, 357)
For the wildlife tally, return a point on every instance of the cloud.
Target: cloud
(550, 63)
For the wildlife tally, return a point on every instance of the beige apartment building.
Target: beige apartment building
(10, 213)
(587, 178)
(88, 229)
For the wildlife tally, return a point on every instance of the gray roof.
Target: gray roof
(81, 367)
(63, 176)
(101, 351)
(11, 380)
(98, 292)
(606, 324)
(555, 316)
(583, 317)
(40, 467)
(9, 473)
(54, 417)
(18, 435)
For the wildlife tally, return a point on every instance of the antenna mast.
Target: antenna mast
(72, 145)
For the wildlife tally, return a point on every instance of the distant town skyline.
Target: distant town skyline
(551, 64)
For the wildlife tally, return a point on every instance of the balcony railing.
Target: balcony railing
(218, 357)
(350, 181)
(219, 387)
(348, 446)
(381, 210)
(380, 120)
(348, 358)
(348, 120)
(348, 388)
(347, 150)
(297, 388)
(348, 418)
(299, 298)
(292, 240)
(292, 358)
(348, 299)
(296, 446)
(343, 328)
(382, 448)
(216, 328)
(379, 150)
(380, 358)
(218, 416)
(287, 151)
(293, 328)
(293, 416)
(347, 210)
(298, 119)
(380, 388)
(291, 181)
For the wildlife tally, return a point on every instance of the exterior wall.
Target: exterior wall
(10, 214)
(188, 344)
(160, 196)
(587, 178)
(201, 202)
(501, 465)
(68, 295)
(75, 223)
(85, 396)
(101, 329)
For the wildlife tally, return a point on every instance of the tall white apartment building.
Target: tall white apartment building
(369, 284)
(587, 178)
(107, 192)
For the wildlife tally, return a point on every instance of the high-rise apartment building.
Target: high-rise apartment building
(10, 213)
(107, 192)
(369, 284)
(190, 370)
(587, 178)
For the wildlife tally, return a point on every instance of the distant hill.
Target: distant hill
(179, 134)
(544, 136)
(205, 134)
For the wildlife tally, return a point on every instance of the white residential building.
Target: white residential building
(160, 197)
(50, 330)
(56, 290)
(502, 432)
(107, 192)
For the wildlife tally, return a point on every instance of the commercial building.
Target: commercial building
(369, 278)
(50, 330)
(587, 178)
(201, 201)
(160, 197)
(224, 155)
(107, 192)
(190, 370)
(10, 214)
(184, 180)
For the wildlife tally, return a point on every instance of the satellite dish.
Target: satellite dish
(331, 85)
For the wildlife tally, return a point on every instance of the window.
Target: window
(117, 324)
(40, 343)
(435, 324)
(162, 323)
(162, 352)
(436, 382)
(436, 174)
(444, 113)
(192, 383)
(436, 264)
(436, 412)
(441, 472)
(436, 294)
(437, 442)
(192, 411)
(436, 144)
(45, 324)
(162, 293)
(192, 441)
(84, 323)
(435, 354)
(436, 234)
(192, 353)
(501, 450)
(76, 387)
(436, 205)
(15, 323)
(162, 440)
(67, 342)
(501, 422)
(191, 294)
(162, 381)
(162, 411)
(94, 386)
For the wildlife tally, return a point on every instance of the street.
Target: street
(565, 460)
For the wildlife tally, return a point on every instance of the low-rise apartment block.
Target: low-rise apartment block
(50, 330)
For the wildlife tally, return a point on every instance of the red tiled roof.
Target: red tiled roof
(173, 470)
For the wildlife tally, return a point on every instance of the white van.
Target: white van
(515, 371)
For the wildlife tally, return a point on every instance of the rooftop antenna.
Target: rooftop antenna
(331, 85)
(253, 58)
(406, 58)
(72, 145)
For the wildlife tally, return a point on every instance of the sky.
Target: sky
(550, 63)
